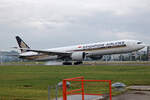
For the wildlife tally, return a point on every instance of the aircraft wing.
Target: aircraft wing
(49, 52)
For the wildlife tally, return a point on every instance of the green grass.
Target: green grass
(31, 82)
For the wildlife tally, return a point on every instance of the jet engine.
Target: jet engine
(78, 56)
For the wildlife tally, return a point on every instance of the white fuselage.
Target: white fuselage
(93, 49)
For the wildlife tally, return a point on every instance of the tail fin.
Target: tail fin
(21, 44)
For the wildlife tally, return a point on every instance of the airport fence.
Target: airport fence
(80, 86)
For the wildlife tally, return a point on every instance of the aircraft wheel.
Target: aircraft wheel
(67, 63)
(78, 62)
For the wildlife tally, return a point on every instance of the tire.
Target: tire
(78, 62)
(67, 63)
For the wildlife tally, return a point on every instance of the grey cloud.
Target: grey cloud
(53, 23)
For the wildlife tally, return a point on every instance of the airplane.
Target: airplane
(78, 53)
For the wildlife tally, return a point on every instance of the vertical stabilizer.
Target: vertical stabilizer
(22, 44)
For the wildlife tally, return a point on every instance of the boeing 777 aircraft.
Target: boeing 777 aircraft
(78, 53)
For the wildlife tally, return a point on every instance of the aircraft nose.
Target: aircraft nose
(142, 45)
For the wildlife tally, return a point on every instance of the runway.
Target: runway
(93, 63)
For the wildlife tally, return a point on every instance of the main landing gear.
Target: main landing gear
(72, 63)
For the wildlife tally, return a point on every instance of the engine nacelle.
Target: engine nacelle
(96, 57)
(78, 56)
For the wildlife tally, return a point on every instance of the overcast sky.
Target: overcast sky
(54, 23)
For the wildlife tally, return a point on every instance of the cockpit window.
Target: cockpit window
(139, 42)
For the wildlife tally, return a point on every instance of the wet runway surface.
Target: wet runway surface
(133, 95)
(129, 95)
(79, 97)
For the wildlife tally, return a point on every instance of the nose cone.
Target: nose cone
(141, 45)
